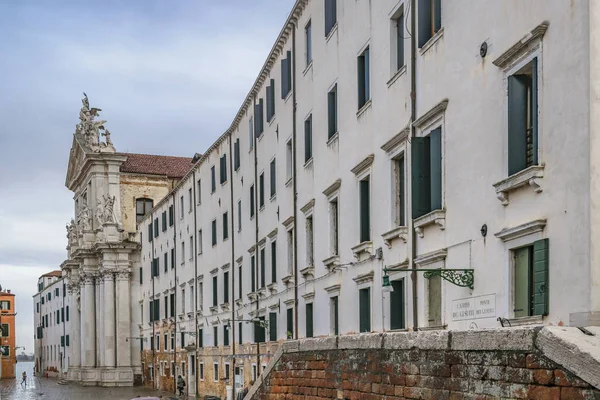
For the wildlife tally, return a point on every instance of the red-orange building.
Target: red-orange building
(7, 335)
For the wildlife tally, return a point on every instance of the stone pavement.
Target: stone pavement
(48, 389)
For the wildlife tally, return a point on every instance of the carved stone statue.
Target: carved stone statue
(72, 232)
(109, 210)
(84, 219)
(90, 129)
(99, 214)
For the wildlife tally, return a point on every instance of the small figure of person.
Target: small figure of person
(180, 385)
(24, 381)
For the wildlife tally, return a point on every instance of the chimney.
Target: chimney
(8, 291)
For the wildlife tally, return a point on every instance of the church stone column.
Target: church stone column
(109, 319)
(75, 327)
(99, 321)
(88, 322)
(123, 319)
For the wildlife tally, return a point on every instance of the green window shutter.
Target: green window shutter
(261, 188)
(262, 268)
(437, 15)
(308, 139)
(240, 336)
(309, 320)
(284, 77)
(336, 322)
(365, 310)
(424, 16)
(332, 112)
(540, 277)
(62, 341)
(534, 109)
(517, 123)
(215, 293)
(360, 69)
(367, 79)
(421, 187)
(150, 232)
(273, 327)
(226, 287)
(67, 340)
(435, 151)
(200, 338)
(151, 308)
(397, 319)
(157, 309)
(225, 336)
(365, 211)
(67, 313)
(290, 323)
(253, 274)
(273, 176)
(273, 262)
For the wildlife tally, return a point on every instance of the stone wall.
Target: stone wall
(424, 365)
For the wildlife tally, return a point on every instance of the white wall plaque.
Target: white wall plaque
(474, 307)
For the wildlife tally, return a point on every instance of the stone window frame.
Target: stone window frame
(397, 274)
(433, 260)
(215, 369)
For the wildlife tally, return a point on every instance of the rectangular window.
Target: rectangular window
(216, 372)
(364, 85)
(262, 268)
(215, 336)
(181, 207)
(308, 38)
(200, 294)
(171, 215)
(182, 340)
(531, 279)
(365, 210)
(259, 330)
(523, 118)
(183, 300)
(434, 297)
(193, 365)
(199, 191)
(236, 154)
(182, 252)
(4, 328)
(309, 241)
(271, 100)
(399, 191)
(334, 312)
(200, 241)
(289, 161)
(330, 15)
(225, 335)
(251, 201)
(155, 227)
(191, 247)
(215, 291)
(427, 173)
(240, 281)
(172, 304)
(240, 336)
(201, 370)
(364, 309)
(141, 279)
(430, 19)
(226, 287)
(251, 132)
(190, 200)
(201, 338)
(273, 262)
(67, 313)
(398, 38)
(290, 323)
(227, 371)
(308, 139)
(258, 118)
(309, 320)
(397, 318)
(214, 232)
(261, 190)
(286, 75)
(183, 369)
(172, 258)
(67, 340)
(166, 310)
(192, 299)
(213, 180)
(223, 169)
(334, 226)
(273, 176)
(290, 251)
(239, 207)
(332, 112)
(272, 327)
(166, 262)
(225, 227)
(253, 273)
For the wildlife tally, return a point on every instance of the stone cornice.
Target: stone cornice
(396, 141)
(525, 229)
(308, 206)
(272, 234)
(438, 109)
(239, 259)
(308, 296)
(431, 257)
(262, 242)
(332, 188)
(333, 289)
(363, 165)
(288, 222)
(509, 56)
(363, 278)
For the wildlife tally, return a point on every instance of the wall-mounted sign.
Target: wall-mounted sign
(474, 307)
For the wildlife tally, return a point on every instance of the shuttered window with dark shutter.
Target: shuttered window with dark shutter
(365, 210)
(223, 168)
(290, 323)
(214, 232)
(253, 273)
(364, 84)
(430, 19)
(427, 173)
(261, 190)
(309, 320)
(259, 331)
(364, 310)
(259, 118)
(335, 316)
(225, 226)
(226, 287)
(273, 177)
(330, 15)
(236, 154)
(286, 75)
(213, 183)
(273, 327)
(271, 100)
(397, 319)
(273, 262)
(308, 139)
(251, 201)
(332, 112)
(215, 291)
(262, 267)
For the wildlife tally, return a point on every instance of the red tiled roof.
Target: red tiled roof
(6, 294)
(57, 273)
(172, 167)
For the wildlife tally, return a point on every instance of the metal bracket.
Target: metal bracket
(458, 277)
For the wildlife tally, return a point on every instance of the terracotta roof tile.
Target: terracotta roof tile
(57, 273)
(172, 167)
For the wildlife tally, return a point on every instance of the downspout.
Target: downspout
(152, 342)
(294, 181)
(232, 267)
(195, 279)
(256, 209)
(413, 116)
(174, 261)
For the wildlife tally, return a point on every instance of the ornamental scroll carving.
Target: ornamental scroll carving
(123, 275)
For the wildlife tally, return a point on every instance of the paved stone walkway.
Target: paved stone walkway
(49, 389)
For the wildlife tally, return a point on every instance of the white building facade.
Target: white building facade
(473, 198)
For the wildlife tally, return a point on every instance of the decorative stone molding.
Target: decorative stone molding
(363, 165)
(400, 232)
(252, 296)
(225, 267)
(332, 262)
(529, 176)
(437, 217)
(239, 260)
(364, 278)
(528, 228)
(431, 257)
(364, 247)
(225, 306)
(331, 189)
(272, 234)
(200, 278)
(396, 141)
(510, 55)
(524, 321)
(239, 302)
(438, 109)
(214, 309)
(272, 287)
(252, 249)
(288, 222)
(308, 271)
(308, 297)
(214, 271)
(289, 302)
(396, 268)
(288, 280)
(261, 242)
(308, 206)
(274, 306)
(333, 290)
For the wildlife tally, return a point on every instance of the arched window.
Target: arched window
(142, 207)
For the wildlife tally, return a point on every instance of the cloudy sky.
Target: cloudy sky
(169, 76)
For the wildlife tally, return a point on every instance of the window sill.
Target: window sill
(437, 217)
(272, 287)
(331, 262)
(289, 182)
(239, 302)
(400, 232)
(364, 108)
(307, 68)
(252, 296)
(522, 321)
(308, 163)
(364, 247)
(214, 309)
(225, 306)
(288, 280)
(433, 328)
(529, 176)
(429, 44)
(310, 270)
(333, 30)
(222, 184)
(262, 208)
(273, 198)
(287, 96)
(396, 75)
(333, 139)
(270, 122)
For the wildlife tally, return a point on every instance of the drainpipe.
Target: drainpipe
(295, 182)
(232, 267)
(195, 278)
(153, 344)
(174, 261)
(413, 116)
(256, 210)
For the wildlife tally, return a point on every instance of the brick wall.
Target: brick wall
(368, 368)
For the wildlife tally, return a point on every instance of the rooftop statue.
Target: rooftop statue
(91, 129)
